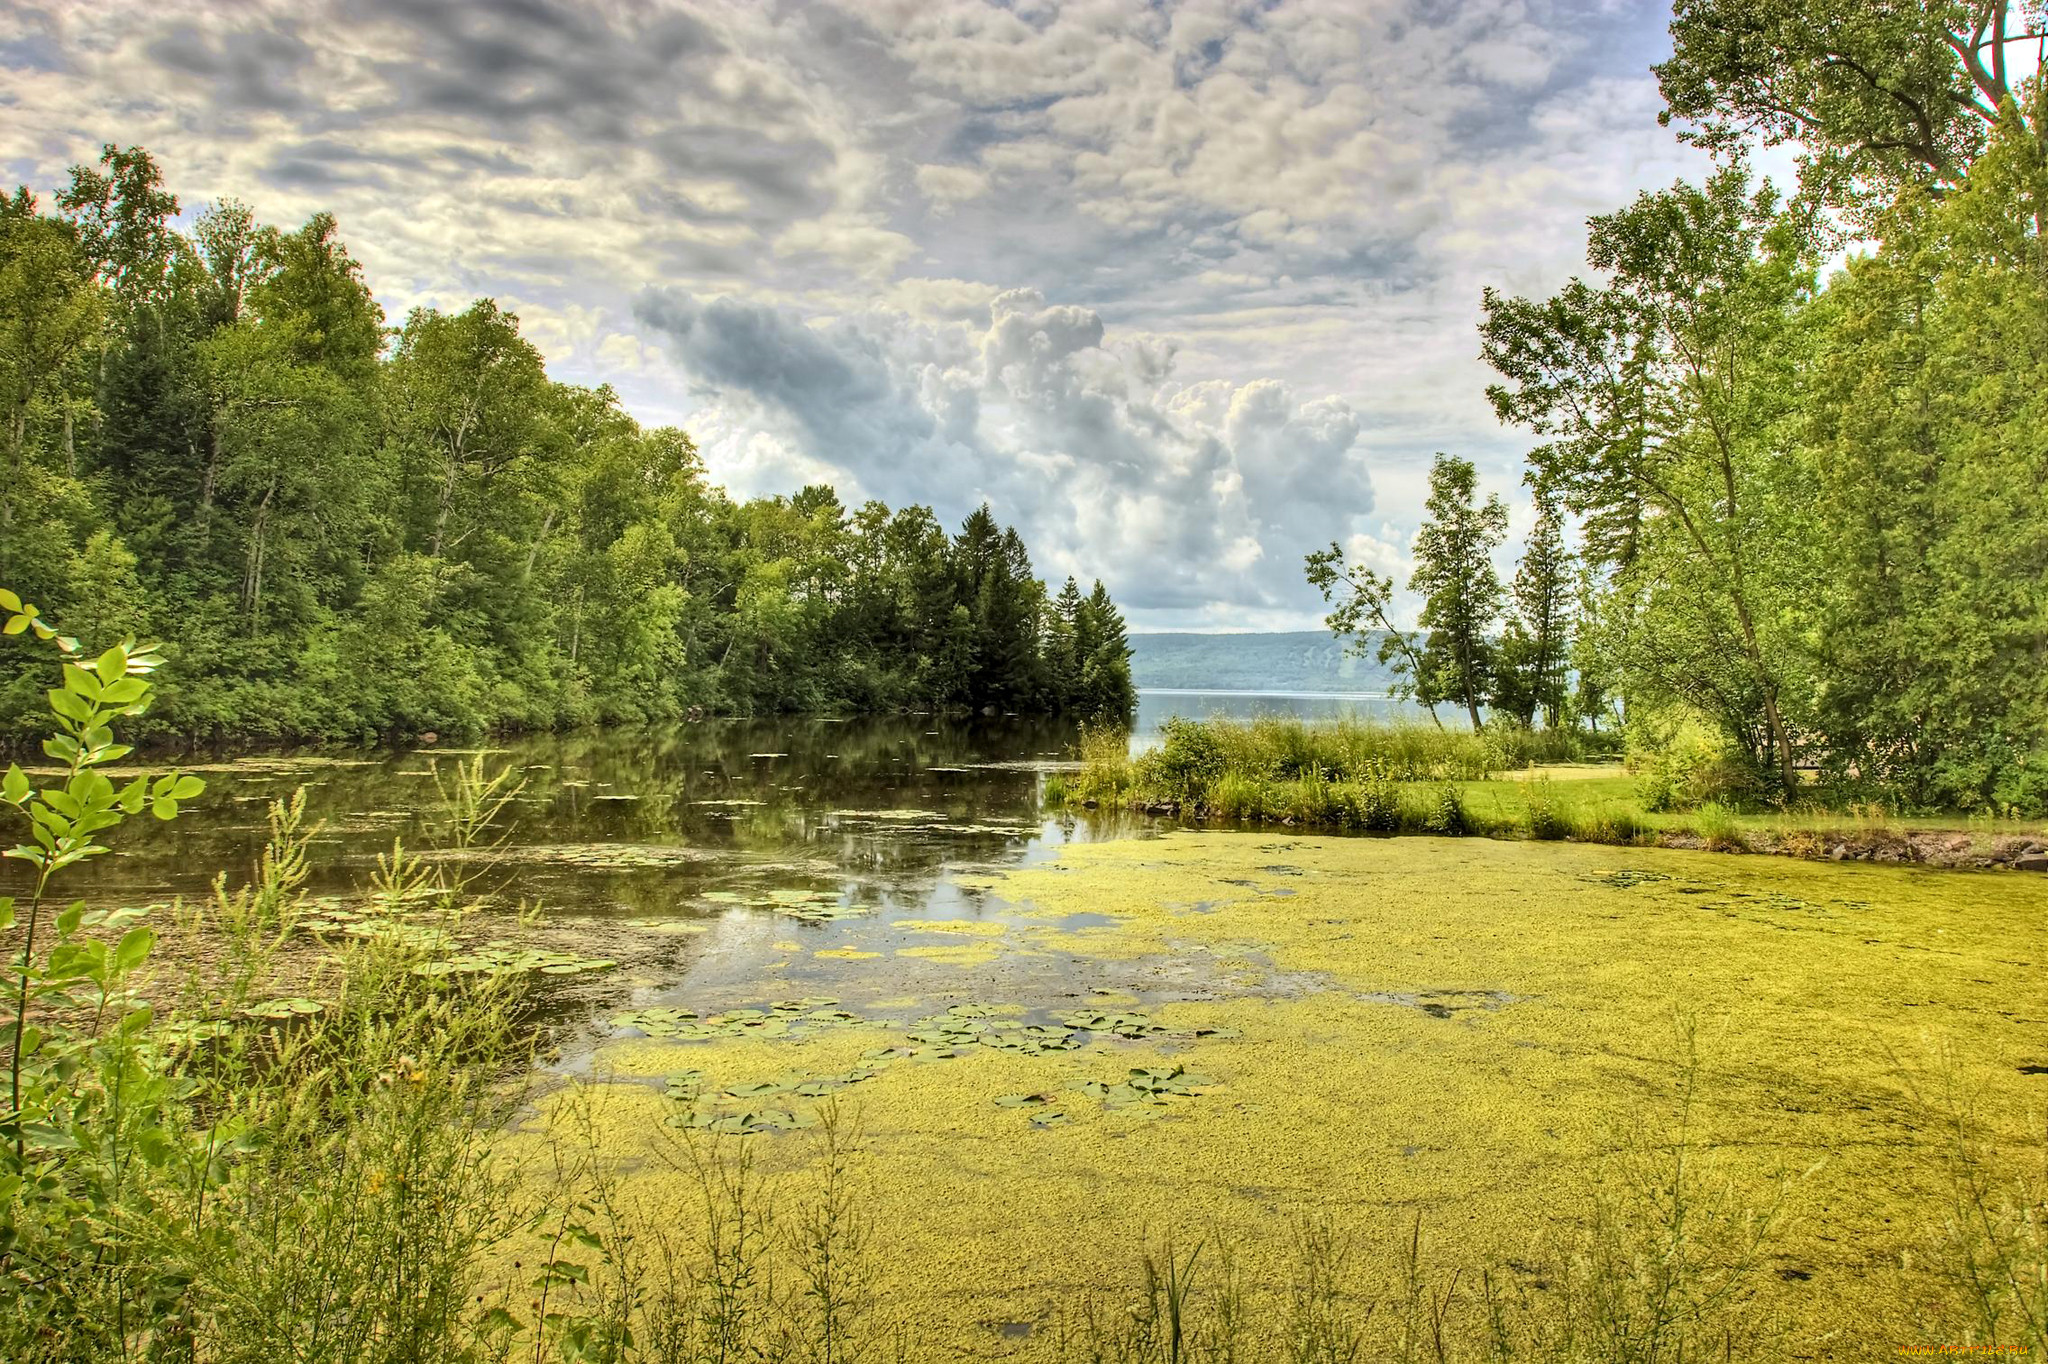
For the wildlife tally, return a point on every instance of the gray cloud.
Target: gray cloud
(1205, 490)
(1164, 278)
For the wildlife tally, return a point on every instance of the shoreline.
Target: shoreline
(1950, 849)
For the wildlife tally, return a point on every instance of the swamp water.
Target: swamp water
(1063, 1038)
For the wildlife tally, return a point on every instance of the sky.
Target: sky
(1183, 290)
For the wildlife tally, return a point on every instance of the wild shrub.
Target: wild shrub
(1235, 795)
(1378, 801)
(1190, 756)
(1543, 810)
(245, 1179)
(1444, 813)
(1684, 765)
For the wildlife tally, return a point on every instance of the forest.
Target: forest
(338, 529)
(1800, 432)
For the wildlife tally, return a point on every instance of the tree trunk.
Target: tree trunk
(206, 483)
(547, 524)
(252, 571)
(441, 515)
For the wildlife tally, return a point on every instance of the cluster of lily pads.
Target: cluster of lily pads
(1113, 1022)
(736, 1109)
(1151, 1086)
(976, 1025)
(811, 906)
(1626, 878)
(779, 1019)
(505, 959)
(494, 958)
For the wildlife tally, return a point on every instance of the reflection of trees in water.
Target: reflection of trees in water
(702, 786)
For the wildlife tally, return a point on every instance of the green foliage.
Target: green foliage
(222, 1172)
(1460, 592)
(1544, 815)
(1876, 95)
(1813, 516)
(1684, 765)
(1715, 823)
(1445, 814)
(1189, 758)
(341, 529)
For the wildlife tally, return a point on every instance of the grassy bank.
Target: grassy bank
(1416, 1102)
(1413, 779)
(1323, 1099)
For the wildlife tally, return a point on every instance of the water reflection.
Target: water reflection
(627, 821)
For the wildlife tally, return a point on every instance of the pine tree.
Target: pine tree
(1106, 668)
(1460, 590)
(1544, 590)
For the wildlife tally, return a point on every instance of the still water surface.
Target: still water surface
(661, 849)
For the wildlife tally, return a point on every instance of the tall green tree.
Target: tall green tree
(1663, 390)
(1461, 593)
(1877, 94)
(1535, 648)
(1103, 646)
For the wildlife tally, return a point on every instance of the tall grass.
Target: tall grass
(1663, 1261)
(1371, 778)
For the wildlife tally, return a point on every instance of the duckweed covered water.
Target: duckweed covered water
(1060, 1038)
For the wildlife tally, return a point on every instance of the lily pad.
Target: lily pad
(1022, 1100)
(295, 1007)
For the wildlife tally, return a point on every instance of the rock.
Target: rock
(430, 738)
(2031, 862)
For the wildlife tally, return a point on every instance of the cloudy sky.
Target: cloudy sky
(1183, 288)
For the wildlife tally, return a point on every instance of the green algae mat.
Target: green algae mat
(1208, 1036)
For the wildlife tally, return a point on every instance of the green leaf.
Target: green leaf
(186, 788)
(164, 808)
(14, 788)
(14, 626)
(112, 665)
(133, 949)
(82, 681)
(8, 601)
(70, 705)
(125, 691)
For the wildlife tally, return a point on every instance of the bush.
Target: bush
(1544, 815)
(1236, 796)
(1189, 758)
(1684, 766)
(1379, 803)
(1445, 813)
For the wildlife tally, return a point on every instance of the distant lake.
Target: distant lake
(1158, 704)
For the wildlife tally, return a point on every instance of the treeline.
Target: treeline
(1812, 502)
(341, 529)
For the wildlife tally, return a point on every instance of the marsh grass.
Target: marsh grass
(1989, 1246)
(1665, 1261)
(1401, 779)
(1716, 825)
(751, 1267)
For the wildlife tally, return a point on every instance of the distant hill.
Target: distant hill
(1299, 660)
